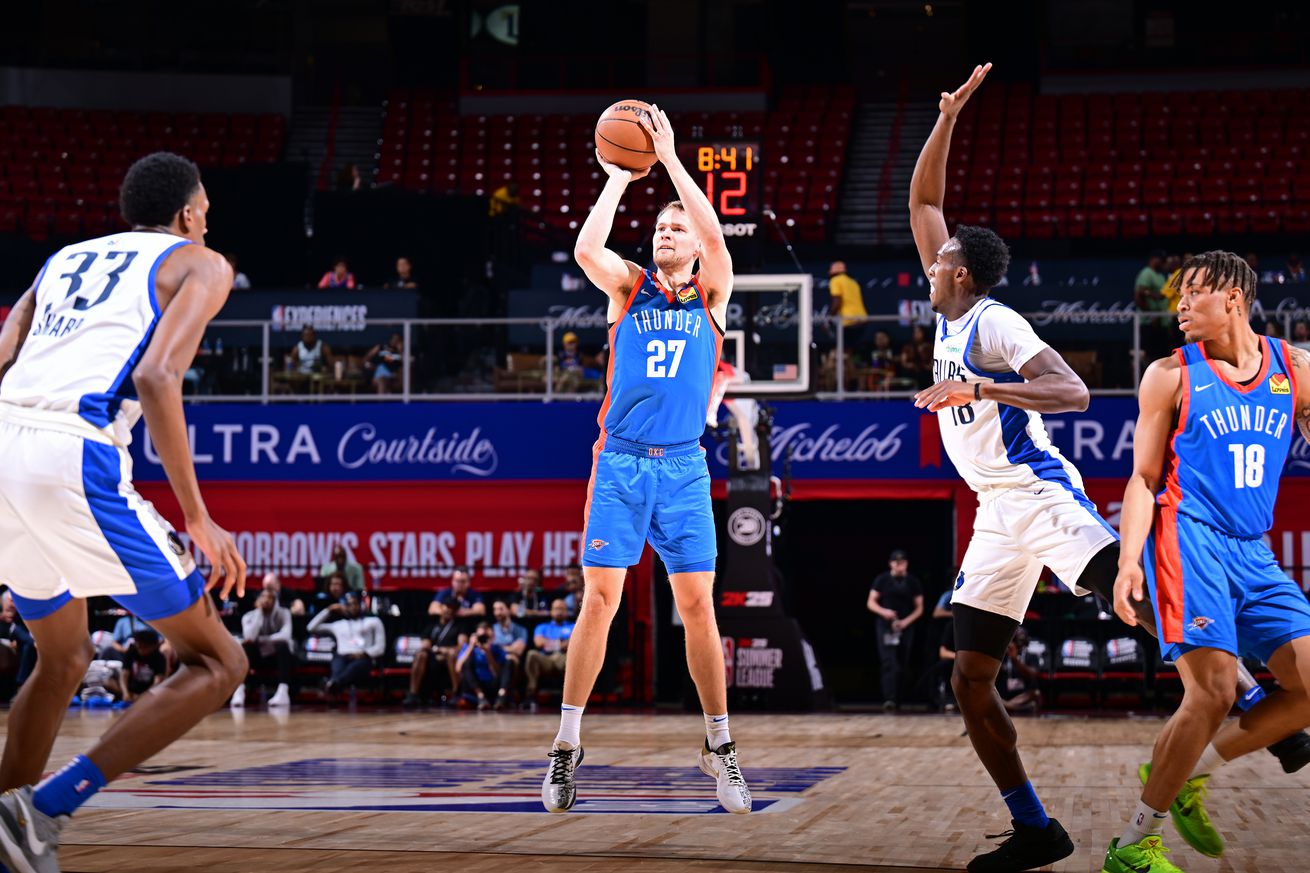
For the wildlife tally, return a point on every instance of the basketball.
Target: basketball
(621, 139)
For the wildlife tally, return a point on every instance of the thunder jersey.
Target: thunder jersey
(1231, 442)
(992, 444)
(663, 351)
(94, 315)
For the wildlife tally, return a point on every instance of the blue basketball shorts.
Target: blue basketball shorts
(660, 493)
(1210, 589)
(72, 525)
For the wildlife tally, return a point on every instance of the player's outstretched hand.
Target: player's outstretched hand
(661, 133)
(1128, 584)
(952, 103)
(615, 171)
(948, 392)
(218, 546)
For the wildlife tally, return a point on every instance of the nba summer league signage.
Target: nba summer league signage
(552, 441)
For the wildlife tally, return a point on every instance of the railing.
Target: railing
(517, 359)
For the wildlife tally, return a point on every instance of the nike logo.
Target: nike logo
(1199, 388)
(25, 818)
(720, 718)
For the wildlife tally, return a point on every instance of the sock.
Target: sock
(716, 730)
(570, 725)
(63, 792)
(1250, 698)
(1145, 822)
(1210, 761)
(1025, 808)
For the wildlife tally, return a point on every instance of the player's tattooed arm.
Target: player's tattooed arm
(15, 329)
(1301, 371)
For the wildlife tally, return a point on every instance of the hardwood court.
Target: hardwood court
(319, 791)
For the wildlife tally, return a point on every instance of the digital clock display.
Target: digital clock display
(729, 173)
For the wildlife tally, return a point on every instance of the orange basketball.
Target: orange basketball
(621, 139)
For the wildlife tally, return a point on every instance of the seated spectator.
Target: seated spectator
(17, 650)
(1273, 329)
(338, 277)
(273, 582)
(568, 366)
(467, 603)
(266, 637)
(144, 665)
(361, 639)
(552, 644)
(124, 629)
(503, 200)
(943, 694)
(1295, 270)
(917, 356)
(240, 281)
(440, 644)
(1017, 681)
(332, 593)
(1301, 335)
(573, 589)
(484, 669)
(510, 636)
(530, 601)
(882, 357)
(349, 178)
(311, 355)
(404, 275)
(387, 361)
(346, 566)
(942, 609)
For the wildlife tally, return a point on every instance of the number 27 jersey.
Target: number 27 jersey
(663, 352)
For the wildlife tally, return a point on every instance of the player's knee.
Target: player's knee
(1213, 694)
(971, 675)
(696, 609)
(601, 600)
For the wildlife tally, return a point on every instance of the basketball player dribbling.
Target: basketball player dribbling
(1212, 436)
(105, 321)
(649, 477)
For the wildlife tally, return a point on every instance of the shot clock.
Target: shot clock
(729, 174)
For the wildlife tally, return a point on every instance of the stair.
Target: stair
(358, 131)
(863, 220)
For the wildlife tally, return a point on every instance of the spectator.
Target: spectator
(240, 281)
(1149, 298)
(349, 179)
(338, 277)
(387, 361)
(944, 695)
(441, 644)
(942, 609)
(124, 630)
(484, 669)
(467, 603)
(273, 581)
(404, 275)
(568, 368)
(1273, 329)
(17, 650)
(1301, 335)
(311, 355)
(266, 637)
(1295, 270)
(882, 360)
(848, 303)
(360, 640)
(144, 665)
(510, 636)
(917, 356)
(1017, 681)
(504, 200)
(552, 644)
(333, 591)
(346, 566)
(896, 598)
(529, 601)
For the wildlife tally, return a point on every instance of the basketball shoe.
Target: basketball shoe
(1293, 752)
(721, 764)
(1189, 815)
(1148, 856)
(1027, 848)
(29, 839)
(558, 789)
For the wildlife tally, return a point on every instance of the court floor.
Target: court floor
(319, 791)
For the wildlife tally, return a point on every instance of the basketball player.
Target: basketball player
(1212, 435)
(649, 478)
(105, 321)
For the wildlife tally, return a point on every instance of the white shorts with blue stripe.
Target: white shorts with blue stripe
(72, 525)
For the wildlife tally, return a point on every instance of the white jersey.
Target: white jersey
(992, 444)
(95, 313)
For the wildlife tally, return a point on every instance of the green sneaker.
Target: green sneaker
(1190, 817)
(1144, 857)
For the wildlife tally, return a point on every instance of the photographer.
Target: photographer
(484, 668)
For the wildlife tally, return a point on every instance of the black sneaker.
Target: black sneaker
(1292, 752)
(411, 701)
(1026, 849)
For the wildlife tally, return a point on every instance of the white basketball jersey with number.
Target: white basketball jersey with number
(992, 444)
(95, 313)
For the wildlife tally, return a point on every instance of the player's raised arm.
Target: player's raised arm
(928, 184)
(15, 329)
(715, 261)
(203, 279)
(1158, 401)
(606, 269)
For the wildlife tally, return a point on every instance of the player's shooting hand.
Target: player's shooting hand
(218, 546)
(661, 133)
(948, 392)
(1128, 584)
(952, 103)
(614, 171)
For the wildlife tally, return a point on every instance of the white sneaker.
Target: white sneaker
(721, 763)
(558, 790)
(281, 698)
(239, 697)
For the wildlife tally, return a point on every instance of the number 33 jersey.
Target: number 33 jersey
(664, 348)
(95, 313)
(992, 444)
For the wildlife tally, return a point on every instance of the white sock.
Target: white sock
(570, 726)
(716, 730)
(1144, 823)
(282, 688)
(1210, 761)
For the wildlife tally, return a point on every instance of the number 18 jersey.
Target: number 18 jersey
(663, 351)
(95, 313)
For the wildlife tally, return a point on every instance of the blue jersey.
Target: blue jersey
(1231, 442)
(664, 348)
